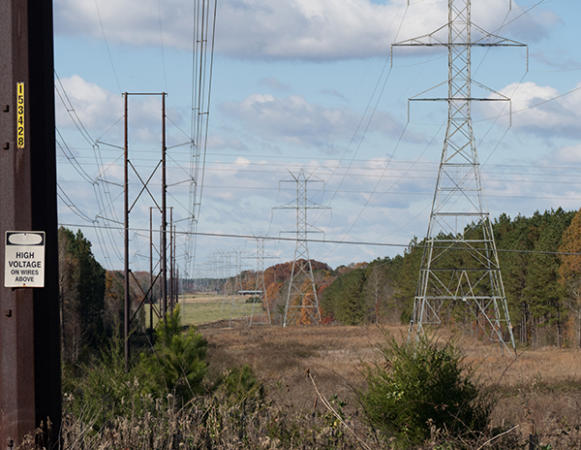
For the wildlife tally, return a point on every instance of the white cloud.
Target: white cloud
(297, 121)
(95, 106)
(141, 23)
(290, 29)
(570, 154)
(241, 162)
(541, 110)
(341, 29)
(111, 171)
(101, 111)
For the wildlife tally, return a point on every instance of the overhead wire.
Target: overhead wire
(104, 35)
(136, 230)
(162, 45)
(71, 205)
(499, 142)
(63, 146)
(369, 112)
(204, 27)
(197, 204)
(202, 76)
(366, 120)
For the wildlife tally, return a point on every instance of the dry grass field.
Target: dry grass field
(539, 391)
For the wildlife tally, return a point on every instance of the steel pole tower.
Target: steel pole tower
(460, 263)
(297, 300)
(151, 269)
(128, 315)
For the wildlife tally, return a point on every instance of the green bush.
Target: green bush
(177, 363)
(241, 385)
(102, 390)
(421, 388)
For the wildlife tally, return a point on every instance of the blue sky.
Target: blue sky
(308, 84)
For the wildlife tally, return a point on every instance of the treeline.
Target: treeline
(82, 292)
(91, 298)
(541, 270)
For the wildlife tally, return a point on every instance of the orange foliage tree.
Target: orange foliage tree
(570, 268)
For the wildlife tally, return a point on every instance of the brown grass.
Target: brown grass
(540, 390)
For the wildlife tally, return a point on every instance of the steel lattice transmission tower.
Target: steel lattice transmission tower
(460, 266)
(298, 300)
(260, 287)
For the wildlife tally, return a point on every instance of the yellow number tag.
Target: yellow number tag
(20, 115)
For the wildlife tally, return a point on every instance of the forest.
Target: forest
(541, 269)
(539, 257)
(207, 388)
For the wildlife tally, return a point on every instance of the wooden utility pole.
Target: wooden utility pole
(30, 375)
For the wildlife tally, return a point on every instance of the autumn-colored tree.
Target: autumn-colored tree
(570, 269)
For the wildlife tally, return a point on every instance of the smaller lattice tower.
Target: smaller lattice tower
(302, 301)
(235, 306)
(260, 289)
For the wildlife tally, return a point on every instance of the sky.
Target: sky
(312, 86)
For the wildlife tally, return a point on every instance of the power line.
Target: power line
(316, 241)
(71, 205)
(369, 112)
(107, 45)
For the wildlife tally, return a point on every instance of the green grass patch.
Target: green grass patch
(211, 309)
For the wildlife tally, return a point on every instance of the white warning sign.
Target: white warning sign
(24, 259)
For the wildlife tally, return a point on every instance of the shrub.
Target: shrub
(102, 389)
(241, 385)
(422, 387)
(177, 363)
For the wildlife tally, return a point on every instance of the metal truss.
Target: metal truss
(302, 303)
(260, 289)
(460, 269)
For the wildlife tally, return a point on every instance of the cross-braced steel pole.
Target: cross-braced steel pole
(127, 295)
(127, 313)
(151, 269)
(163, 213)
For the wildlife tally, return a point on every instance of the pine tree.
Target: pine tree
(515, 235)
(82, 287)
(542, 288)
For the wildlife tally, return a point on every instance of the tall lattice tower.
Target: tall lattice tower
(460, 264)
(302, 305)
